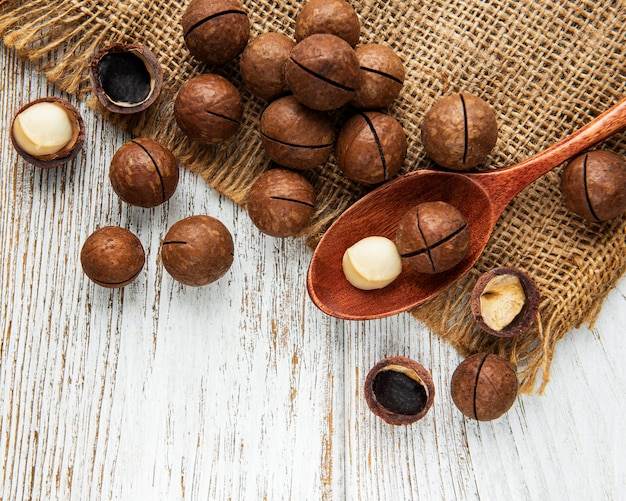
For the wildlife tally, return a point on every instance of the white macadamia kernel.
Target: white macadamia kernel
(501, 301)
(43, 129)
(372, 263)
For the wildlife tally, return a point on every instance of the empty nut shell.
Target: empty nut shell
(295, 136)
(143, 172)
(197, 250)
(459, 131)
(36, 136)
(215, 31)
(433, 237)
(484, 386)
(335, 17)
(208, 109)
(382, 77)
(126, 78)
(112, 257)
(371, 147)
(323, 72)
(594, 185)
(504, 302)
(262, 65)
(281, 203)
(399, 390)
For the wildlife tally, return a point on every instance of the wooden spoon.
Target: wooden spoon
(481, 197)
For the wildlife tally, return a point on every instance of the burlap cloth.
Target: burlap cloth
(545, 67)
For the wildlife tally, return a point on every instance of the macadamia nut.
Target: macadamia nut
(505, 301)
(501, 301)
(43, 129)
(372, 263)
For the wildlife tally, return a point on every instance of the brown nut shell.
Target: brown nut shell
(323, 72)
(399, 390)
(143, 172)
(197, 250)
(484, 386)
(459, 131)
(215, 31)
(433, 237)
(527, 315)
(112, 257)
(281, 203)
(382, 77)
(208, 109)
(65, 154)
(126, 78)
(593, 185)
(296, 136)
(262, 65)
(371, 147)
(334, 17)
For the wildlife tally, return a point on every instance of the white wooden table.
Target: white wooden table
(242, 389)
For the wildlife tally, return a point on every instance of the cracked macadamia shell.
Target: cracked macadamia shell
(371, 147)
(323, 72)
(126, 78)
(504, 307)
(215, 31)
(144, 173)
(262, 65)
(208, 109)
(197, 250)
(459, 131)
(295, 136)
(281, 203)
(32, 131)
(335, 17)
(112, 257)
(399, 390)
(593, 185)
(484, 386)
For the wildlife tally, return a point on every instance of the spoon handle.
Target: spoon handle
(504, 184)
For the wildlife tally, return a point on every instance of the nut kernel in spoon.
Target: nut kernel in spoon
(43, 129)
(501, 301)
(372, 263)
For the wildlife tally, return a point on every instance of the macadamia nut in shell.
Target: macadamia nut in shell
(197, 250)
(594, 185)
(334, 17)
(215, 31)
(371, 147)
(459, 131)
(208, 109)
(112, 257)
(323, 72)
(262, 65)
(281, 203)
(484, 386)
(144, 173)
(295, 136)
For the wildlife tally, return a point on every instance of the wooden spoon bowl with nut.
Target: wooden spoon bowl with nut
(481, 197)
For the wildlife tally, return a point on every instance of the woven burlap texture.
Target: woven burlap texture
(545, 67)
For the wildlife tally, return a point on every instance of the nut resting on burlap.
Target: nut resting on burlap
(546, 69)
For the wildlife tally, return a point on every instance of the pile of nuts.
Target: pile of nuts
(303, 81)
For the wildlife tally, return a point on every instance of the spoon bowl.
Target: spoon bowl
(481, 198)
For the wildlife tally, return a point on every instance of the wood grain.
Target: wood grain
(243, 389)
